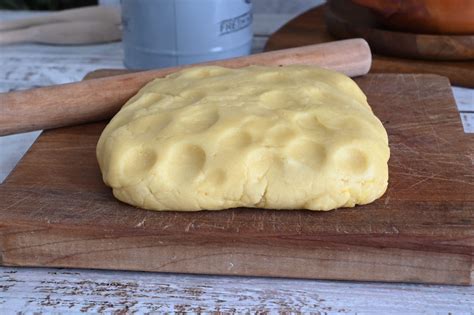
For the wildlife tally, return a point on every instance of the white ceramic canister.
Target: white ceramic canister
(165, 33)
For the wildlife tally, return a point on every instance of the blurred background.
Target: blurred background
(270, 6)
(45, 42)
(44, 4)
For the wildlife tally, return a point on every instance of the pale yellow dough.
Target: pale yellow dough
(295, 137)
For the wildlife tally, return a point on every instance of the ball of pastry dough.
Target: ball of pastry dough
(293, 137)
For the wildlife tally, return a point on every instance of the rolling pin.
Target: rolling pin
(99, 99)
(104, 14)
(64, 33)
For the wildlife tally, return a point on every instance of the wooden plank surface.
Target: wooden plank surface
(57, 212)
(309, 28)
(66, 291)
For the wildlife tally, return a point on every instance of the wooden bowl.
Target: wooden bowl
(424, 16)
(345, 19)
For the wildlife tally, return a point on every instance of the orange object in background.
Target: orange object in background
(425, 16)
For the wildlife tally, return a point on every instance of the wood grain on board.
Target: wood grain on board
(309, 28)
(56, 211)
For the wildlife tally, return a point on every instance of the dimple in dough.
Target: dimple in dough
(211, 138)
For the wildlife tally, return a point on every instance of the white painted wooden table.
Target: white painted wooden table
(47, 290)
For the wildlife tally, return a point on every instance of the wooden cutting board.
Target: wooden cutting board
(309, 28)
(55, 210)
